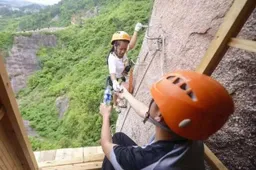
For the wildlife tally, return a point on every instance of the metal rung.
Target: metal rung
(243, 44)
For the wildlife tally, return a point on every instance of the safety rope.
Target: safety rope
(160, 40)
(144, 74)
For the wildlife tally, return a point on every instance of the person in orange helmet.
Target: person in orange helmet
(117, 60)
(186, 108)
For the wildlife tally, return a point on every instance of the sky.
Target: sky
(45, 2)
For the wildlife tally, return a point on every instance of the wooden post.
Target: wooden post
(232, 24)
(2, 112)
(212, 160)
(14, 138)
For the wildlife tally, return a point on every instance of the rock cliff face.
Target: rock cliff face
(22, 61)
(185, 29)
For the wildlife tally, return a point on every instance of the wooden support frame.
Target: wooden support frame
(212, 160)
(2, 112)
(71, 158)
(243, 44)
(232, 24)
(12, 128)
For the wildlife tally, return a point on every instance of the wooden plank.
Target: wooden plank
(243, 44)
(95, 157)
(13, 124)
(89, 165)
(2, 165)
(7, 151)
(213, 161)
(1, 111)
(90, 150)
(94, 153)
(233, 22)
(83, 166)
(70, 156)
(65, 157)
(37, 155)
(5, 157)
(47, 155)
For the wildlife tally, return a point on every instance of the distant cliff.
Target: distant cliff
(22, 60)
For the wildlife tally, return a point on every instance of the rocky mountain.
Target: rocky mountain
(22, 61)
(14, 3)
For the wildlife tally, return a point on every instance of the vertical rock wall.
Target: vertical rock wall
(185, 28)
(22, 61)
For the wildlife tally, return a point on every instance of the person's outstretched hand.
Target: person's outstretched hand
(138, 27)
(105, 110)
(123, 91)
(116, 85)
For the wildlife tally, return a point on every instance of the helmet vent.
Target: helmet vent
(177, 80)
(192, 95)
(170, 77)
(184, 86)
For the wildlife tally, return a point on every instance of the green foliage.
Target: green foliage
(9, 24)
(6, 40)
(63, 11)
(58, 15)
(77, 69)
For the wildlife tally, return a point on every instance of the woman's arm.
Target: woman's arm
(139, 107)
(113, 76)
(133, 41)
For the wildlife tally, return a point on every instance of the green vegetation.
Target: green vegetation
(77, 69)
(9, 24)
(58, 15)
(6, 40)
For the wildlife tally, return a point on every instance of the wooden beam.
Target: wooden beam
(232, 24)
(63, 157)
(70, 157)
(81, 166)
(243, 44)
(212, 160)
(7, 151)
(13, 124)
(2, 112)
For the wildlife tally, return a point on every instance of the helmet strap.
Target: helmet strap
(162, 125)
(115, 45)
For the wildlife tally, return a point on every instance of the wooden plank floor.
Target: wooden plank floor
(70, 158)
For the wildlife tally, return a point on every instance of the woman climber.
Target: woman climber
(118, 62)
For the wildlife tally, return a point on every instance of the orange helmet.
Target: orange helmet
(120, 35)
(192, 105)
